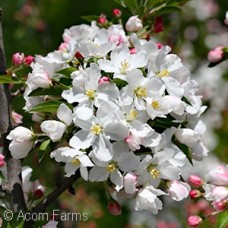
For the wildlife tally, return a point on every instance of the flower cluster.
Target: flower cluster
(119, 108)
(214, 188)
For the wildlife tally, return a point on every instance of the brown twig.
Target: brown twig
(13, 186)
(42, 206)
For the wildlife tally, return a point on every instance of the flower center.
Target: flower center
(111, 167)
(132, 115)
(140, 92)
(163, 73)
(153, 171)
(96, 129)
(90, 93)
(76, 161)
(155, 104)
(124, 66)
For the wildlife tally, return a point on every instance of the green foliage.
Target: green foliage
(48, 106)
(54, 91)
(6, 79)
(222, 219)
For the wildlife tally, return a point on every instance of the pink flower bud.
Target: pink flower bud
(28, 60)
(220, 206)
(102, 20)
(194, 220)
(133, 51)
(216, 54)
(117, 12)
(158, 24)
(103, 80)
(2, 162)
(159, 45)
(194, 194)
(18, 58)
(78, 55)
(114, 208)
(38, 193)
(195, 180)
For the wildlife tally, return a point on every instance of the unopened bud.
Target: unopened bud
(195, 194)
(18, 58)
(28, 60)
(103, 80)
(117, 12)
(114, 208)
(195, 180)
(102, 20)
(194, 220)
(2, 162)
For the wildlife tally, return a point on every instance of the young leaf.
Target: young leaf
(6, 79)
(222, 219)
(44, 145)
(67, 71)
(48, 106)
(54, 91)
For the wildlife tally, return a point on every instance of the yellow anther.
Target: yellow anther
(124, 66)
(140, 92)
(132, 115)
(153, 171)
(111, 167)
(163, 73)
(155, 104)
(76, 161)
(90, 93)
(96, 129)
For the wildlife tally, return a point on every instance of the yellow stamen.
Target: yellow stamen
(155, 104)
(140, 92)
(96, 129)
(163, 73)
(124, 66)
(132, 115)
(111, 167)
(153, 171)
(76, 161)
(90, 93)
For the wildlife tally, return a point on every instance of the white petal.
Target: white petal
(64, 113)
(82, 139)
(117, 179)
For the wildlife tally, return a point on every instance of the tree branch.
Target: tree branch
(14, 184)
(42, 206)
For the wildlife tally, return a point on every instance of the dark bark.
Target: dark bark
(13, 186)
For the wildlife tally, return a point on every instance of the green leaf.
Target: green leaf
(44, 145)
(222, 219)
(185, 149)
(24, 71)
(48, 106)
(6, 79)
(54, 91)
(132, 5)
(90, 18)
(43, 149)
(67, 71)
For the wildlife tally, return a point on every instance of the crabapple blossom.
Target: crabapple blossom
(54, 129)
(21, 143)
(147, 199)
(178, 190)
(195, 180)
(134, 24)
(218, 175)
(127, 113)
